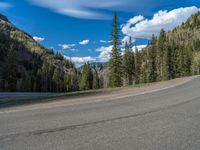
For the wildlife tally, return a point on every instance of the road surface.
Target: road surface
(164, 120)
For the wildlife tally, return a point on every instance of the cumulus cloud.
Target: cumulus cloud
(103, 41)
(104, 55)
(38, 39)
(4, 5)
(140, 27)
(139, 47)
(84, 42)
(74, 49)
(67, 46)
(81, 60)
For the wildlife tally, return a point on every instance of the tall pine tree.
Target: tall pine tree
(11, 69)
(129, 63)
(86, 80)
(137, 66)
(115, 63)
(161, 56)
(152, 52)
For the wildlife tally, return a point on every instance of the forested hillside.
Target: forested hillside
(171, 55)
(25, 65)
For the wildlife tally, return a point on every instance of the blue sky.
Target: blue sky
(80, 29)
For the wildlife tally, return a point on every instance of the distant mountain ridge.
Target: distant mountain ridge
(98, 66)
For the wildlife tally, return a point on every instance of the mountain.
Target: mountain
(98, 66)
(26, 65)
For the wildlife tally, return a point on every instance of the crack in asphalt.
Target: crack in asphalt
(73, 127)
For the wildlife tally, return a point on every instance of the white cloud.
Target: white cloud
(4, 5)
(81, 60)
(74, 49)
(38, 39)
(84, 42)
(126, 39)
(139, 27)
(104, 55)
(139, 47)
(67, 46)
(103, 41)
(135, 19)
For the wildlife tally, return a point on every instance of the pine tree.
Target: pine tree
(170, 62)
(189, 58)
(153, 72)
(45, 73)
(11, 69)
(86, 79)
(56, 79)
(128, 63)
(101, 81)
(144, 67)
(161, 53)
(95, 80)
(74, 79)
(115, 63)
(39, 80)
(66, 82)
(137, 66)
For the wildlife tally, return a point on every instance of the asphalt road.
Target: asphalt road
(163, 120)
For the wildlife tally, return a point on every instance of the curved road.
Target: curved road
(163, 120)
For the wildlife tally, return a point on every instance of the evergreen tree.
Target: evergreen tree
(169, 62)
(11, 69)
(161, 53)
(189, 57)
(129, 63)
(115, 63)
(145, 66)
(66, 82)
(56, 79)
(137, 66)
(152, 52)
(95, 80)
(86, 79)
(39, 80)
(101, 81)
(74, 79)
(45, 76)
